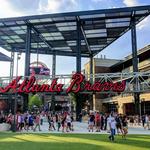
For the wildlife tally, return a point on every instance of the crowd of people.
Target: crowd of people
(109, 122)
(33, 120)
(116, 123)
(113, 123)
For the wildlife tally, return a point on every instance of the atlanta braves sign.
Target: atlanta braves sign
(77, 84)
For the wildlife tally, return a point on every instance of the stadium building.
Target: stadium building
(121, 103)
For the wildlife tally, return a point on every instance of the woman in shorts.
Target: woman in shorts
(91, 122)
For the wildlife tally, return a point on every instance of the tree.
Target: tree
(34, 100)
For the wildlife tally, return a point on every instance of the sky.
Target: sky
(65, 65)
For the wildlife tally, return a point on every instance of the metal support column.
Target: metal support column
(92, 100)
(11, 101)
(54, 66)
(135, 65)
(78, 57)
(78, 69)
(91, 66)
(53, 76)
(15, 98)
(27, 63)
(27, 51)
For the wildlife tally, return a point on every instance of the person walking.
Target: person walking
(30, 121)
(58, 122)
(37, 122)
(91, 122)
(102, 122)
(19, 121)
(147, 121)
(98, 122)
(51, 122)
(143, 120)
(112, 126)
(119, 124)
(41, 118)
(68, 120)
(63, 122)
(125, 127)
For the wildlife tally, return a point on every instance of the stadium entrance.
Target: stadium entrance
(77, 34)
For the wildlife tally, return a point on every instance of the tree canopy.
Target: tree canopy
(34, 100)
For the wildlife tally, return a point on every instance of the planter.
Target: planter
(4, 127)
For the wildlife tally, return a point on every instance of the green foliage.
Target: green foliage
(34, 100)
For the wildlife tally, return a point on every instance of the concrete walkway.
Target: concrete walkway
(83, 128)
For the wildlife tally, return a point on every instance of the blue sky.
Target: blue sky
(65, 65)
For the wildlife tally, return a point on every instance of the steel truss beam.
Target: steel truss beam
(63, 21)
(60, 53)
(143, 80)
(39, 34)
(84, 35)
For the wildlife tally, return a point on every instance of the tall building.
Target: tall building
(122, 103)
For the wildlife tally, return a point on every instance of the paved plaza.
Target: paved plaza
(83, 128)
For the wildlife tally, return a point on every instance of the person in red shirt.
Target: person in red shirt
(98, 121)
(37, 122)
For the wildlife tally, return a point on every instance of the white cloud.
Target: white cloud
(6, 10)
(52, 6)
(13, 8)
(130, 3)
(97, 1)
(49, 5)
(144, 23)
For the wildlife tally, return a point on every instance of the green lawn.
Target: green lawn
(12, 141)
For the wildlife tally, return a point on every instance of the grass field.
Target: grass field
(12, 141)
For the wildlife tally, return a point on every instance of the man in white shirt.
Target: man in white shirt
(147, 121)
(112, 125)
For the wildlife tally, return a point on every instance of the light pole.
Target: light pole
(16, 95)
